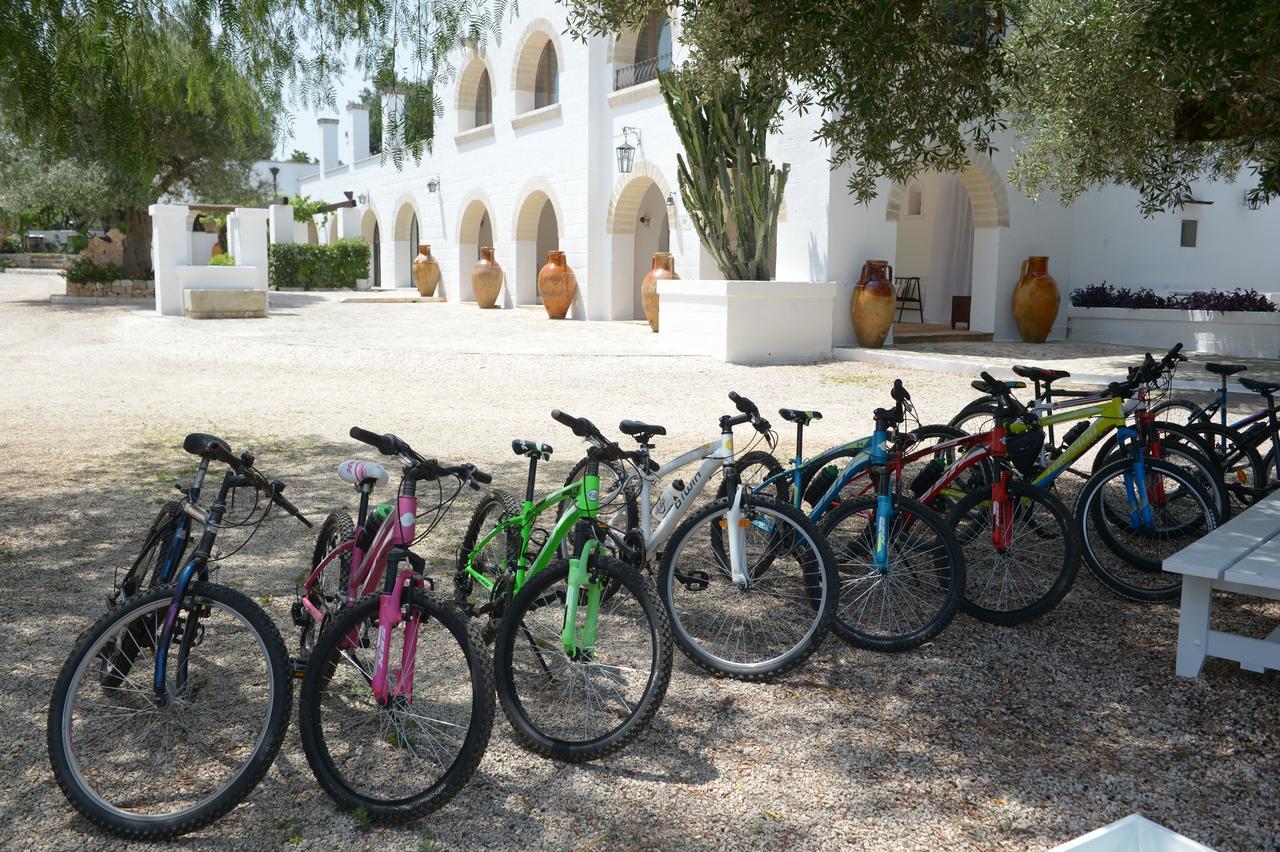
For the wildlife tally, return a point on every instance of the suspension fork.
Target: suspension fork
(1001, 512)
(572, 638)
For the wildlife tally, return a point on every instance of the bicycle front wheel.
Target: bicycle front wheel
(581, 705)
(146, 768)
(776, 619)
(410, 755)
(909, 600)
(1128, 525)
(1034, 568)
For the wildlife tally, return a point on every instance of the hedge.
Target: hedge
(1106, 296)
(84, 271)
(315, 267)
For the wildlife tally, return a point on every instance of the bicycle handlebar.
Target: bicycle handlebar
(751, 412)
(423, 468)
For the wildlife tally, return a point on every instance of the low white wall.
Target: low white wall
(219, 278)
(748, 322)
(202, 246)
(1239, 333)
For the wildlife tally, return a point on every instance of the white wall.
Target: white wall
(288, 178)
(1236, 247)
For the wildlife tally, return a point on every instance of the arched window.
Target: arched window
(546, 85)
(484, 100)
(654, 43)
(915, 200)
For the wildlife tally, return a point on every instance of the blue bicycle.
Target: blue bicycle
(901, 569)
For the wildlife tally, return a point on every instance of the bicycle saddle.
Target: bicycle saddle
(1040, 374)
(642, 432)
(200, 444)
(1264, 388)
(795, 415)
(1225, 370)
(358, 472)
(532, 449)
(1002, 387)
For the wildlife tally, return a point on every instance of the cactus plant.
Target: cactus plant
(730, 188)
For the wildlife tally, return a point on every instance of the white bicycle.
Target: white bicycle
(749, 582)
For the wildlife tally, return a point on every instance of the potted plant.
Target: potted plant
(733, 193)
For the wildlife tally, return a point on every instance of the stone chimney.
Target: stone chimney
(328, 144)
(392, 119)
(359, 114)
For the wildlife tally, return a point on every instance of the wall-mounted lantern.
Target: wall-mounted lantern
(627, 151)
(433, 185)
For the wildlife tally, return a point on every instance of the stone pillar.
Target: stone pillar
(348, 223)
(280, 221)
(328, 144)
(359, 143)
(253, 242)
(170, 249)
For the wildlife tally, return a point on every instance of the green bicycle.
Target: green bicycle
(582, 653)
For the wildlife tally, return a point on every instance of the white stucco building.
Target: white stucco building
(525, 159)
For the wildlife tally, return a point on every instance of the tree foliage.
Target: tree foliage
(300, 156)
(1154, 94)
(902, 87)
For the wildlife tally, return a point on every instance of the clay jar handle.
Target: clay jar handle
(1023, 273)
(862, 278)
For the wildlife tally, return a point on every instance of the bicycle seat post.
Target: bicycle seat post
(533, 475)
(363, 514)
(799, 442)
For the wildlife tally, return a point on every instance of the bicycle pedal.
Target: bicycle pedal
(297, 668)
(694, 581)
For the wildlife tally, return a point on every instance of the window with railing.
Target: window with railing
(652, 54)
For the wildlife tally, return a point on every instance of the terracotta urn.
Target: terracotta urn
(557, 285)
(426, 272)
(873, 300)
(1035, 300)
(486, 279)
(664, 269)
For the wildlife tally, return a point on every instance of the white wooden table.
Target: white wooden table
(1242, 556)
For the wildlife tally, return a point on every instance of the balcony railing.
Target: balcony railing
(627, 76)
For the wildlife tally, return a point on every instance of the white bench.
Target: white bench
(1241, 556)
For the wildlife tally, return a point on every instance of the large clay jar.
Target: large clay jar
(873, 300)
(664, 269)
(557, 284)
(1035, 300)
(426, 272)
(486, 279)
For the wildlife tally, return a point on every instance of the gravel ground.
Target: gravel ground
(986, 737)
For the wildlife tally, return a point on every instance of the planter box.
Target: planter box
(124, 288)
(1134, 833)
(748, 322)
(224, 304)
(1237, 333)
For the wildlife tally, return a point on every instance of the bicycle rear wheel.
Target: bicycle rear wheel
(148, 770)
(1034, 570)
(581, 706)
(778, 618)
(1124, 550)
(410, 756)
(1242, 468)
(912, 599)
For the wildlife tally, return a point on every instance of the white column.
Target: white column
(233, 235)
(328, 144)
(170, 249)
(348, 223)
(253, 242)
(359, 143)
(280, 221)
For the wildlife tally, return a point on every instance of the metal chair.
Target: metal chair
(908, 289)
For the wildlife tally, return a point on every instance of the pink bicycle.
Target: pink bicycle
(397, 692)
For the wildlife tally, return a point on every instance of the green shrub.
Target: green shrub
(7, 263)
(330, 267)
(84, 271)
(11, 245)
(77, 243)
(223, 259)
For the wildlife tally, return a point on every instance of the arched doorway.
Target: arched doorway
(475, 231)
(640, 226)
(948, 234)
(405, 245)
(537, 233)
(935, 244)
(372, 236)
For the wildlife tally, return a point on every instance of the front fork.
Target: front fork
(573, 639)
(389, 682)
(1001, 513)
(737, 535)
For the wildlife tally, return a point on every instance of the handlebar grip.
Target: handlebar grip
(364, 436)
(744, 405)
(574, 423)
(481, 477)
(899, 393)
(280, 500)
